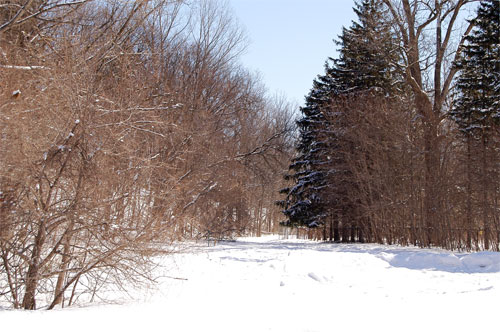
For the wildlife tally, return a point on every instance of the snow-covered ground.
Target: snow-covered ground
(268, 284)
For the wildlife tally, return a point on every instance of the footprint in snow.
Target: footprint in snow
(314, 277)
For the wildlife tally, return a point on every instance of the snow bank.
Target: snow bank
(480, 262)
(262, 239)
(273, 284)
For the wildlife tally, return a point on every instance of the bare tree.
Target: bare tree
(130, 126)
(430, 41)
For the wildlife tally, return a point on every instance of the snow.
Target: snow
(272, 284)
(443, 261)
(22, 67)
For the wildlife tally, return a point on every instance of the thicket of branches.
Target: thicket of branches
(125, 126)
(393, 147)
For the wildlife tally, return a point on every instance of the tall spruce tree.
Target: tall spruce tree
(477, 114)
(477, 108)
(365, 65)
(304, 204)
(367, 52)
(318, 172)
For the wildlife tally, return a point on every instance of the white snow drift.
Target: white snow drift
(267, 284)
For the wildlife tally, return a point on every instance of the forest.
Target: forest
(127, 127)
(399, 139)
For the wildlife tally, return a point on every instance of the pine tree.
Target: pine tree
(366, 64)
(477, 114)
(319, 172)
(304, 204)
(477, 108)
(367, 52)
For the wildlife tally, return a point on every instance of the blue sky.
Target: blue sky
(291, 39)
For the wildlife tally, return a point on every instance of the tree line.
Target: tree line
(126, 126)
(399, 139)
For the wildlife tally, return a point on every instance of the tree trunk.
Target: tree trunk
(330, 235)
(29, 301)
(58, 292)
(468, 213)
(336, 231)
(431, 204)
(485, 176)
(361, 233)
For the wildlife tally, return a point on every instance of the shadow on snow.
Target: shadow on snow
(398, 257)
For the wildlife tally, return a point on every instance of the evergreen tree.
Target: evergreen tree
(477, 113)
(304, 204)
(318, 172)
(477, 108)
(367, 53)
(366, 63)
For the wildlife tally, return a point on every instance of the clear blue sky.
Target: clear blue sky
(291, 39)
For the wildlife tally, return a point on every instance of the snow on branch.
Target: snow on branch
(22, 67)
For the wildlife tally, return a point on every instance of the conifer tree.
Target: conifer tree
(365, 64)
(367, 53)
(318, 172)
(477, 114)
(304, 204)
(477, 108)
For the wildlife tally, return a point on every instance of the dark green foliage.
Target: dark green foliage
(477, 109)
(305, 204)
(319, 173)
(477, 114)
(367, 53)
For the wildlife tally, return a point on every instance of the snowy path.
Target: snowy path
(276, 285)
